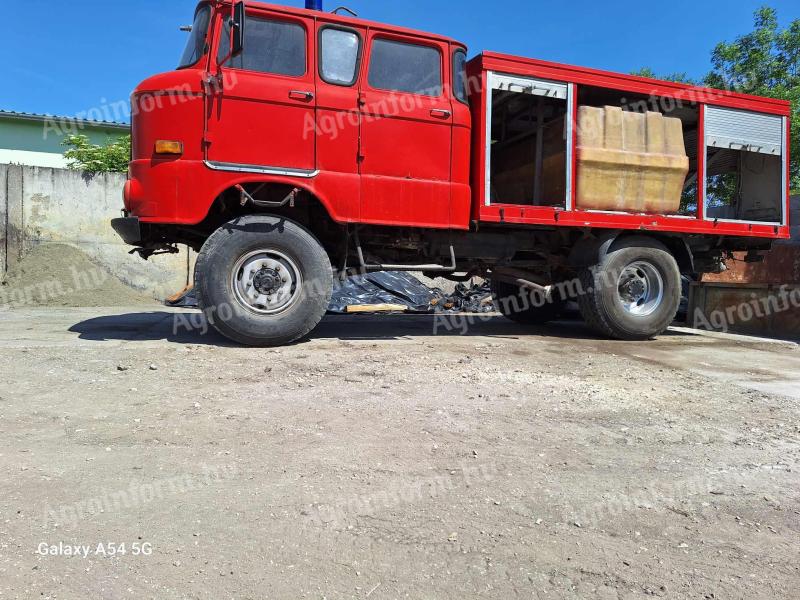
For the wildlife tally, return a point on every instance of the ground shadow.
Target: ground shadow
(150, 326)
(190, 327)
(378, 327)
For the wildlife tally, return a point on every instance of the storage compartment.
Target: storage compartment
(634, 153)
(744, 166)
(528, 142)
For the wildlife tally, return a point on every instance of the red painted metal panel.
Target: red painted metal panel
(265, 119)
(168, 192)
(584, 76)
(460, 175)
(546, 215)
(479, 102)
(339, 130)
(406, 147)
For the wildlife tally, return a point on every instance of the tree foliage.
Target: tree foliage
(764, 62)
(677, 77)
(85, 156)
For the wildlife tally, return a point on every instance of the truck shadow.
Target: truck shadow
(150, 326)
(190, 327)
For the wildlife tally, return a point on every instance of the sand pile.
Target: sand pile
(62, 275)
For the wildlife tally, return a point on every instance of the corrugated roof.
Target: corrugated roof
(40, 117)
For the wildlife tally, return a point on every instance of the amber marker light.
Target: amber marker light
(169, 147)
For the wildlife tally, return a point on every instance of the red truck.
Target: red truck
(292, 144)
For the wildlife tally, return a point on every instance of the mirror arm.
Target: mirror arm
(233, 26)
(221, 63)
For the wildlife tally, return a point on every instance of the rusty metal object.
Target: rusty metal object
(754, 309)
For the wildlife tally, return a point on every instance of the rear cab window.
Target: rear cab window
(270, 46)
(339, 55)
(405, 67)
(460, 75)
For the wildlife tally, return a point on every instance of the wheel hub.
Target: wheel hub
(640, 288)
(636, 289)
(267, 280)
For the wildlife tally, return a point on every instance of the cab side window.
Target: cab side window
(403, 67)
(270, 46)
(460, 75)
(340, 50)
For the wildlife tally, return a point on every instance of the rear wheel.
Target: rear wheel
(525, 306)
(263, 281)
(634, 293)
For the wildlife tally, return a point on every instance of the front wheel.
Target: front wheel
(263, 280)
(634, 293)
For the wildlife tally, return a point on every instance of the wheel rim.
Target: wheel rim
(266, 282)
(640, 289)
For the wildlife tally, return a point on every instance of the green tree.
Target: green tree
(765, 62)
(85, 156)
(677, 77)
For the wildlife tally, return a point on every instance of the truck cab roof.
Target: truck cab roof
(348, 20)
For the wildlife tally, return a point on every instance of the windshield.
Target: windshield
(196, 44)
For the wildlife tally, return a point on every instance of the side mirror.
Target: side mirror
(237, 27)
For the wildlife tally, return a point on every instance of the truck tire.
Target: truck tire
(263, 280)
(523, 306)
(635, 291)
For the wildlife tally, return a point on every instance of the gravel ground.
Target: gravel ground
(379, 460)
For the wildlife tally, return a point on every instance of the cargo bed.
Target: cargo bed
(569, 146)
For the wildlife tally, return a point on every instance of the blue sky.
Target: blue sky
(80, 54)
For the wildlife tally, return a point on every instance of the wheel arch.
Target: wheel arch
(591, 250)
(305, 185)
(308, 208)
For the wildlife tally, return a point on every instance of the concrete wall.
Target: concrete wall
(41, 206)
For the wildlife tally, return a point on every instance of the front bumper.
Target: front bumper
(129, 229)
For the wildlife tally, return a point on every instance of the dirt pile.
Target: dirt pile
(62, 275)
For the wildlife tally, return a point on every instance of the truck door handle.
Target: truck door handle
(301, 95)
(439, 112)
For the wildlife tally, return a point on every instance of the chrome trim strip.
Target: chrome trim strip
(703, 177)
(487, 191)
(570, 144)
(261, 170)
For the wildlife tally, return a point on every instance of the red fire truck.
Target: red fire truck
(293, 144)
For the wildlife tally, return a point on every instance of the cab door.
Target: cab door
(262, 116)
(340, 50)
(406, 132)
